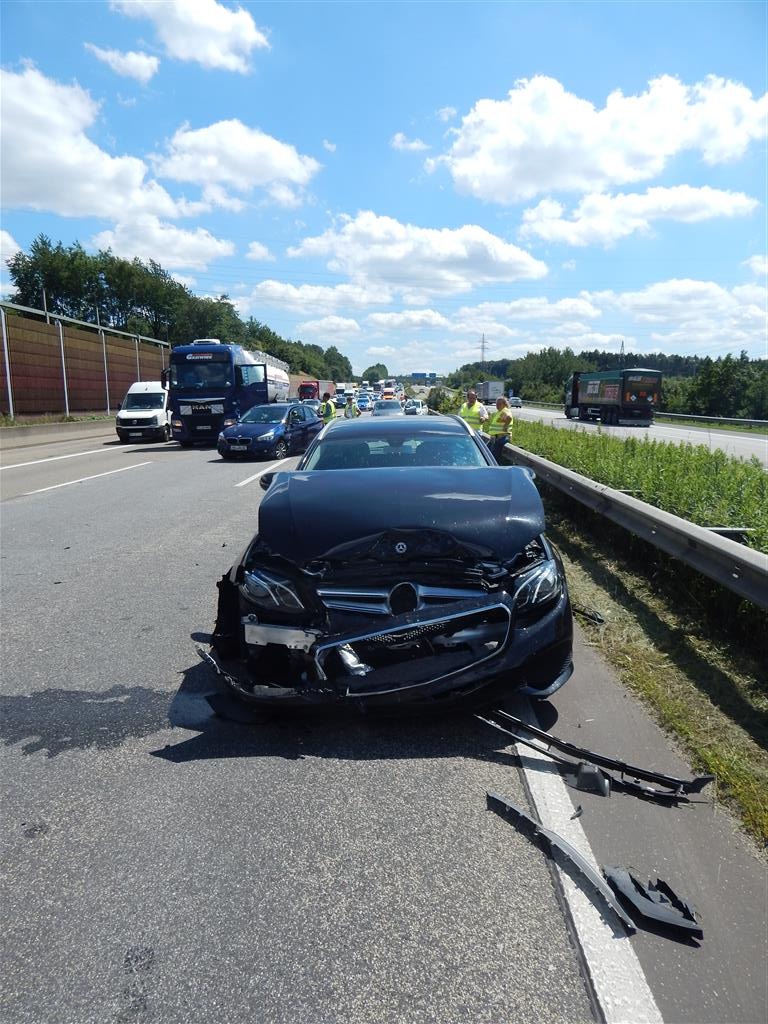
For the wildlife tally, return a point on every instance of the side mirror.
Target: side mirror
(265, 480)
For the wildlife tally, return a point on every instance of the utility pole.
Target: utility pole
(621, 354)
(482, 352)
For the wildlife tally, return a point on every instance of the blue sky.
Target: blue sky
(398, 179)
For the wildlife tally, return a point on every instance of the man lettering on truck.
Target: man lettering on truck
(327, 410)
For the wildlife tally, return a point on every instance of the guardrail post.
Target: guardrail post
(63, 367)
(106, 372)
(7, 363)
(138, 364)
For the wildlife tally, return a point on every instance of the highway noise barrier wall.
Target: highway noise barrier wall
(69, 366)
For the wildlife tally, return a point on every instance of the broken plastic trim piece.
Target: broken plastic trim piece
(608, 782)
(588, 613)
(549, 841)
(657, 902)
(678, 786)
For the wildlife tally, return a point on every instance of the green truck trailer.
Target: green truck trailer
(618, 397)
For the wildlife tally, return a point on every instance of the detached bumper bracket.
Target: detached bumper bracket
(679, 788)
(550, 841)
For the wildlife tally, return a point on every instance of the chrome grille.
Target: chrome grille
(376, 600)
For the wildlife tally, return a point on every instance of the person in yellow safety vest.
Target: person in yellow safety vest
(351, 410)
(474, 412)
(499, 426)
(327, 409)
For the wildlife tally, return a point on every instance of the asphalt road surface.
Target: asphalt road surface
(164, 863)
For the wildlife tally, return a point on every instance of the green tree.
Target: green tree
(376, 372)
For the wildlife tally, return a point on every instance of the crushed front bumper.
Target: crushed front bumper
(444, 654)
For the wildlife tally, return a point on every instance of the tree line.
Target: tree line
(143, 298)
(700, 386)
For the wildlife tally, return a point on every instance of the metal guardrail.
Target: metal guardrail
(732, 565)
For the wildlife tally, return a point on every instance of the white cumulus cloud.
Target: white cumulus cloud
(310, 298)
(409, 320)
(202, 31)
(232, 154)
(8, 248)
(601, 219)
(418, 262)
(447, 113)
(151, 239)
(50, 164)
(537, 309)
(542, 138)
(758, 265)
(257, 251)
(329, 327)
(406, 145)
(141, 66)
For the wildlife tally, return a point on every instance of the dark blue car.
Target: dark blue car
(274, 431)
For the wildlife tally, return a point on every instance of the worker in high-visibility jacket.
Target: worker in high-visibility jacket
(474, 412)
(499, 426)
(351, 410)
(327, 409)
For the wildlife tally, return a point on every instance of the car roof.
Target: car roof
(383, 427)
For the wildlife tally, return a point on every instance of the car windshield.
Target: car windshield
(395, 452)
(386, 406)
(264, 414)
(149, 400)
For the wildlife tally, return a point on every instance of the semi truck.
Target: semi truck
(490, 390)
(211, 384)
(616, 397)
(316, 389)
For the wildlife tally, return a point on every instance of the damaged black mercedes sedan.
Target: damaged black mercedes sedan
(397, 564)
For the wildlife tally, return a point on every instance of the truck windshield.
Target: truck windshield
(201, 375)
(149, 400)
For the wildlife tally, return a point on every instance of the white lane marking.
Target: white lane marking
(83, 479)
(617, 977)
(55, 458)
(261, 472)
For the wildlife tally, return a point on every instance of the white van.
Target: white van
(144, 413)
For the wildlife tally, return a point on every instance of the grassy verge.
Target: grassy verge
(705, 487)
(703, 679)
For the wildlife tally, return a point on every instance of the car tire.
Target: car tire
(281, 450)
(165, 433)
(121, 436)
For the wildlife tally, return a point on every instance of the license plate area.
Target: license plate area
(294, 639)
(238, 447)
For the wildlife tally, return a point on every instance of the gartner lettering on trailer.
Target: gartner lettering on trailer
(199, 355)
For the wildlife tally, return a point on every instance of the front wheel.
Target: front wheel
(281, 450)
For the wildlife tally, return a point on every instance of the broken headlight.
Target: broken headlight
(270, 590)
(538, 586)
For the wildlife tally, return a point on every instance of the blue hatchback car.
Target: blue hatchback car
(272, 431)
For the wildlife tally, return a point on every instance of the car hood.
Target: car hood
(303, 515)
